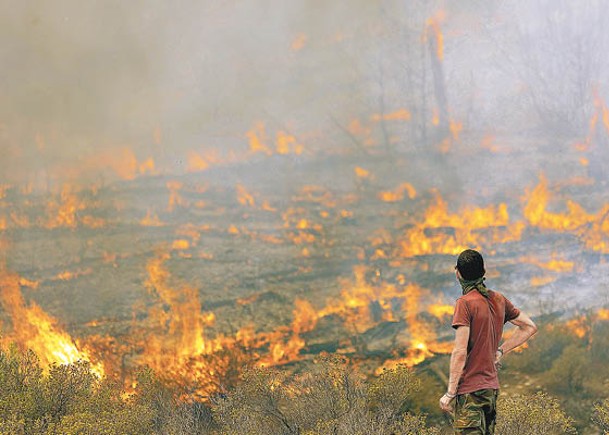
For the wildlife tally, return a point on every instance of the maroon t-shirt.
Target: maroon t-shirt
(485, 318)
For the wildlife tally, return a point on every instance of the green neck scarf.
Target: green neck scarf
(474, 284)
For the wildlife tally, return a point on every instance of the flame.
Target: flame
(538, 281)
(602, 314)
(398, 194)
(20, 221)
(536, 202)
(354, 307)
(175, 197)
(151, 220)
(300, 230)
(488, 143)
(596, 236)
(3, 189)
(355, 302)
(435, 117)
(285, 343)
(455, 128)
(192, 231)
(180, 244)
(68, 275)
(580, 326)
(357, 129)
(66, 212)
(37, 330)
(299, 42)
(205, 255)
(433, 25)
(266, 206)
(122, 162)
(361, 172)
(201, 161)
(555, 264)
(420, 332)
(398, 115)
(196, 162)
(176, 346)
(24, 282)
(287, 144)
(444, 233)
(304, 320)
(244, 197)
(63, 214)
(256, 140)
(600, 110)
(147, 167)
(346, 214)
(593, 229)
(440, 310)
(423, 339)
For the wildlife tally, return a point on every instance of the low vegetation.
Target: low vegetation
(559, 386)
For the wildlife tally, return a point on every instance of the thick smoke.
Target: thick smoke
(83, 79)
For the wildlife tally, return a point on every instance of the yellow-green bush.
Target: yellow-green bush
(332, 398)
(601, 415)
(538, 414)
(543, 349)
(68, 399)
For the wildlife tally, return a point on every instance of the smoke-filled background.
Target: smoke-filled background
(84, 80)
(196, 184)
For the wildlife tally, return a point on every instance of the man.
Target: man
(479, 318)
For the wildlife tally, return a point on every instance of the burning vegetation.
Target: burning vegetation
(274, 261)
(380, 310)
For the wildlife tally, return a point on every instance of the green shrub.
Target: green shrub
(537, 414)
(601, 415)
(331, 398)
(259, 404)
(543, 349)
(569, 371)
(68, 399)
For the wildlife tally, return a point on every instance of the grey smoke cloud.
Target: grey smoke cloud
(163, 78)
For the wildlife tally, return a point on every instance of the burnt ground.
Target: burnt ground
(264, 251)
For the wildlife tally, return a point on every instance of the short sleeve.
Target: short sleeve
(462, 315)
(511, 312)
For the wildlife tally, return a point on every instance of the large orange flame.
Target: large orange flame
(33, 328)
(593, 229)
(442, 232)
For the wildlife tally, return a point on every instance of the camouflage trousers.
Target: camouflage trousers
(475, 412)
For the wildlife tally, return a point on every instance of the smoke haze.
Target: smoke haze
(183, 178)
(83, 79)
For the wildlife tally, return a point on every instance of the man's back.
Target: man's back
(485, 316)
(479, 318)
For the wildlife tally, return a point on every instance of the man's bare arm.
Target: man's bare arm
(458, 358)
(457, 364)
(526, 329)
